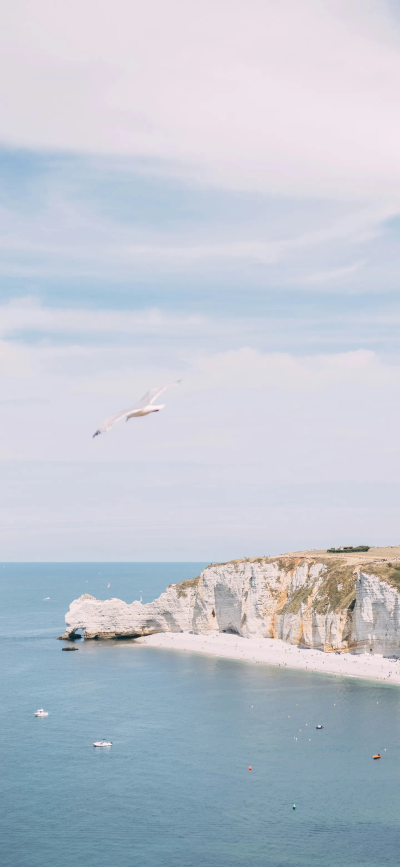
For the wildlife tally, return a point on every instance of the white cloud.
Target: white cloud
(310, 412)
(294, 98)
(87, 242)
(67, 232)
(244, 451)
(336, 274)
(15, 362)
(289, 97)
(28, 314)
(340, 378)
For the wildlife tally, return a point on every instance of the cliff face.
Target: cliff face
(312, 599)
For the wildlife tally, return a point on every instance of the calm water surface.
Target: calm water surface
(175, 787)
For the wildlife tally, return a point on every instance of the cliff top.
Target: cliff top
(389, 552)
(338, 588)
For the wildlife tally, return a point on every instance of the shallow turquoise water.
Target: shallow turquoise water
(175, 787)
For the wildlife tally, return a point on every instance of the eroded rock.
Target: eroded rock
(310, 599)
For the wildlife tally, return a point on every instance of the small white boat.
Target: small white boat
(102, 743)
(41, 712)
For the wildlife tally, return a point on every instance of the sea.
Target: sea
(175, 788)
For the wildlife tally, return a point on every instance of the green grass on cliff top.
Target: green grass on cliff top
(337, 589)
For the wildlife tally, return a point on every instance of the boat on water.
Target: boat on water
(102, 743)
(377, 756)
(319, 727)
(41, 712)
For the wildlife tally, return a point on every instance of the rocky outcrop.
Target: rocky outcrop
(321, 601)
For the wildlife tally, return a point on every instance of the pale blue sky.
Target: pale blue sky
(215, 198)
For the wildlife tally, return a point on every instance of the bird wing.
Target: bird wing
(147, 399)
(151, 395)
(108, 422)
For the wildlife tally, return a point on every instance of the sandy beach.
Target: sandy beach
(268, 651)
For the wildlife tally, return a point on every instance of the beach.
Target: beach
(270, 651)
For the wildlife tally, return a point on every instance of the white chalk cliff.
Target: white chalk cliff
(312, 599)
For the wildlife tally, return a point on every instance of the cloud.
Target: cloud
(285, 97)
(226, 398)
(283, 373)
(246, 148)
(15, 362)
(29, 315)
(102, 332)
(75, 218)
(334, 274)
(256, 451)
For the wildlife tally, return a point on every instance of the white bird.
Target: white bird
(144, 407)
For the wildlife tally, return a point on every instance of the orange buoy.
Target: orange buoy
(249, 767)
(377, 756)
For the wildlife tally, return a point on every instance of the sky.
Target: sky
(207, 192)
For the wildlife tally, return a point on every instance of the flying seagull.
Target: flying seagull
(144, 407)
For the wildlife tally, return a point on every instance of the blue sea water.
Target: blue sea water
(175, 788)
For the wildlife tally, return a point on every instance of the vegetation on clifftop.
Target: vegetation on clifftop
(332, 590)
(348, 549)
(189, 584)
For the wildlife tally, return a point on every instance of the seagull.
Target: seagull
(144, 407)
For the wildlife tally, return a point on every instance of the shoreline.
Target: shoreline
(274, 651)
